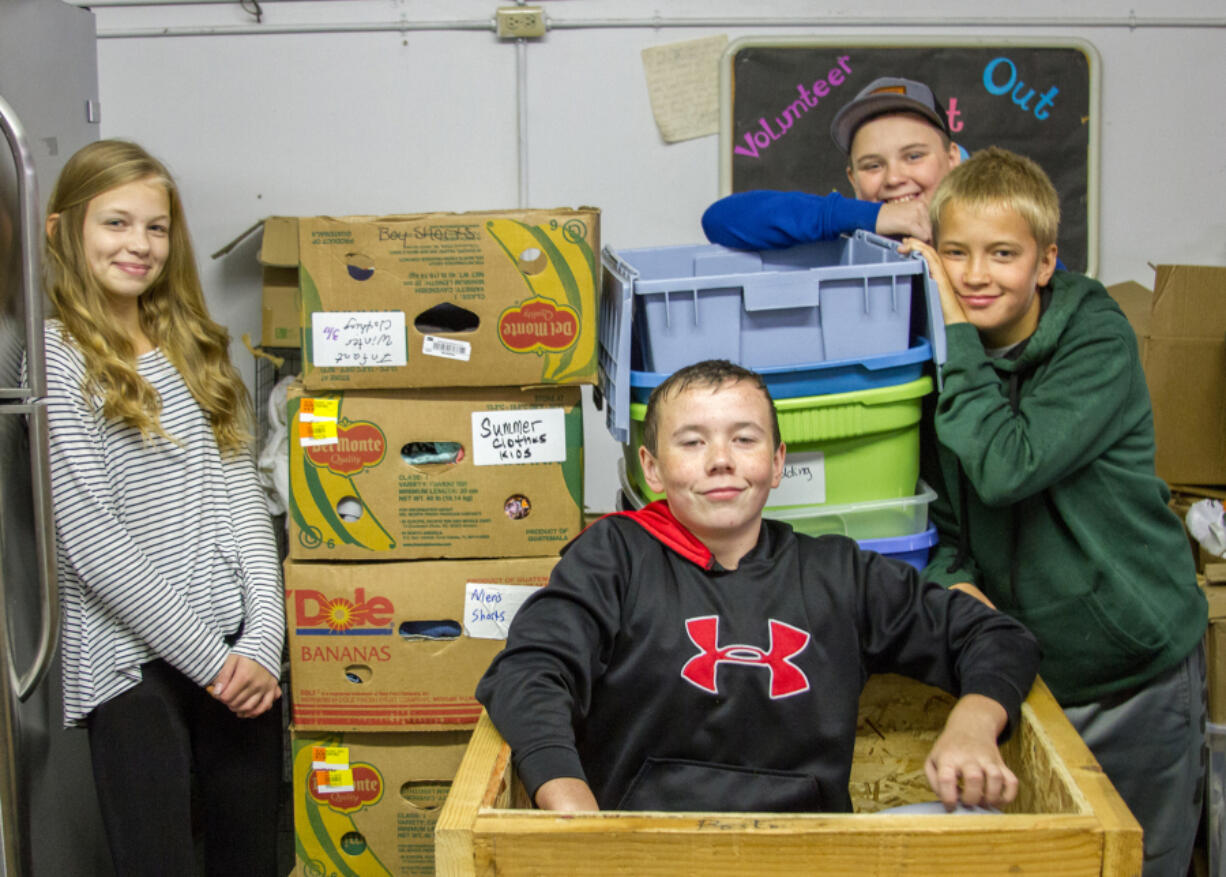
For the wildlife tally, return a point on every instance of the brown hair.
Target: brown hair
(172, 311)
(712, 373)
(996, 177)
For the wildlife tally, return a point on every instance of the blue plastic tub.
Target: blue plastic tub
(840, 299)
(821, 378)
(912, 549)
(662, 308)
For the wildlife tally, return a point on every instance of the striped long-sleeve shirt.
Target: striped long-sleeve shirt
(164, 548)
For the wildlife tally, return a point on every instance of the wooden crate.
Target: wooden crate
(1067, 819)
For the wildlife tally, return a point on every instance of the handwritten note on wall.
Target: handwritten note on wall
(350, 339)
(683, 85)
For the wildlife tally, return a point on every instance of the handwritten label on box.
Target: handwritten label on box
(356, 339)
(489, 609)
(535, 435)
(804, 480)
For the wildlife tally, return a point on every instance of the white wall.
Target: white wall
(426, 120)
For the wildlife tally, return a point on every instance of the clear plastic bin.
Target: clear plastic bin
(881, 520)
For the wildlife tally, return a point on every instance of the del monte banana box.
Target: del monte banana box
(449, 299)
(411, 474)
(366, 804)
(399, 646)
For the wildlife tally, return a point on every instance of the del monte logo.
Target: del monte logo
(360, 445)
(367, 790)
(538, 324)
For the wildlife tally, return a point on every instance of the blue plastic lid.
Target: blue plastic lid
(902, 544)
(918, 353)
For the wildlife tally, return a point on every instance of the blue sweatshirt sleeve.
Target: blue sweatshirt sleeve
(763, 219)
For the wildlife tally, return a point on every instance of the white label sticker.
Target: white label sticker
(351, 339)
(489, 609)
(331, 781)
(329, 758)
(447, 348)
(803, 482)
(503, 438)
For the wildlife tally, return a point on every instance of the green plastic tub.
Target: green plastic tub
(842, 447)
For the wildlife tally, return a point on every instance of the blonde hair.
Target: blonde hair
(996, 177)
(172, 311)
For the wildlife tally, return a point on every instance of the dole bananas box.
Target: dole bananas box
(449, 299)
(399, 646)
(366, 804)
(411, 474)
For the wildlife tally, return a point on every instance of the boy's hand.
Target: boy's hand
(951, 308)
(904, 219)
(965, 762)
(569, 794)
(245, 687)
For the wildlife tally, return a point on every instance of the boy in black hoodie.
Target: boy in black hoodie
(693, 656)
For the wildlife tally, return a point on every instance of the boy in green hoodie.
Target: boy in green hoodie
(1042, 447)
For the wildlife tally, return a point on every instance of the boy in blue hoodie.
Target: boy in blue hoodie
(896, 137)
(1042, 448)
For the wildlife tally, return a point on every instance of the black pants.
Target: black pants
(146, 745)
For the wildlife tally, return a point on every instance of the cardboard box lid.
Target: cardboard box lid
(1136, 302)
(279, 245)
(1189, 302)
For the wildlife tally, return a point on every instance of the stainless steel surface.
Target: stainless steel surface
(49, 820)
(44, 535)
(29, 214)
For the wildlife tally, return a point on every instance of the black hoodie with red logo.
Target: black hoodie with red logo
(669, 683)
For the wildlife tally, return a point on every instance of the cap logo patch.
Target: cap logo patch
(890, 89)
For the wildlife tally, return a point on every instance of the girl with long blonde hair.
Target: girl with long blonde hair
(172, 612)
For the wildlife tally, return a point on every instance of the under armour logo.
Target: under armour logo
(786, 643)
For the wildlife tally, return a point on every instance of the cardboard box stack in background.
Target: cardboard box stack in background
(435, 470)
(1181, 330)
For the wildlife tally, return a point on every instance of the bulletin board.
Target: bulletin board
(779, 95)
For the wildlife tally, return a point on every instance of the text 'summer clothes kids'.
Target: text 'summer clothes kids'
(629, 643)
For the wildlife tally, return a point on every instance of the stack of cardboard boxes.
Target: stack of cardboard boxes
(436, 469)
(1181, 329)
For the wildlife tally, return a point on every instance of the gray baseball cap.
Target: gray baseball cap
(887, 94)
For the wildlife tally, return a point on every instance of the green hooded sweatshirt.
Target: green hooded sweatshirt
(1044, 463)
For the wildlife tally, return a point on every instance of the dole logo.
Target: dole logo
(359, 445)
(314, 610)
(538, 324)
(367, 790)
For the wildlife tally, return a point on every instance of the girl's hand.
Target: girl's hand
(951, 308)
(245, 687)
